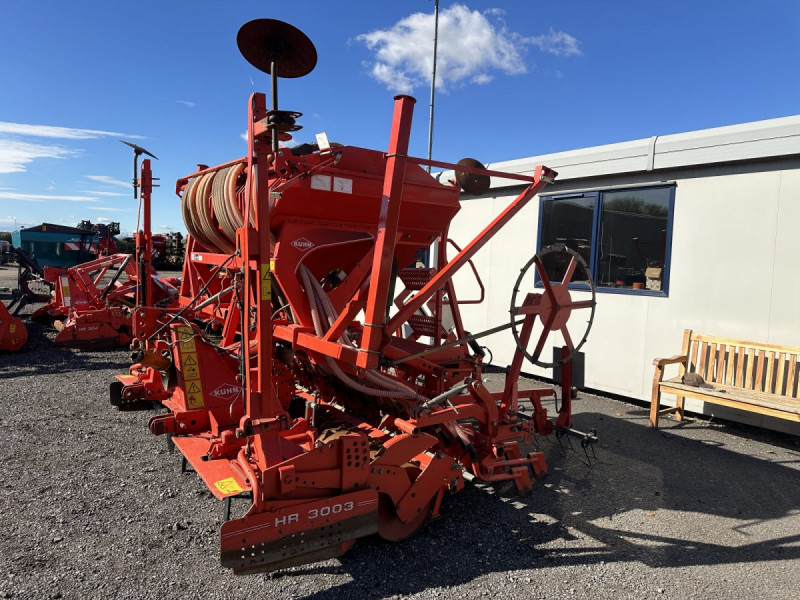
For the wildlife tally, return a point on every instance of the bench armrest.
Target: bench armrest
(678, 358)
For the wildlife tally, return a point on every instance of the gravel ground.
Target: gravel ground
(93, 506)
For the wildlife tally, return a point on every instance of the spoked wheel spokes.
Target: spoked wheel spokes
(554, 306)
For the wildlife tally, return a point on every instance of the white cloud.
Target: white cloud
(556, 42)
(244, 136)
(113, 209)
(12, 224)
(66, 133)
(103, 220)
(15, 155)
(108, 180)
(95, 193)
(470, 48)
(45, 197)
(165, 227)
(187, 103)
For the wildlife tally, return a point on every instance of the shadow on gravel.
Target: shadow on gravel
(658, 498)
(746, 433)
(41, 356)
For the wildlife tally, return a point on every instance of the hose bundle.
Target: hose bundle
(213, 207)
(323, 314)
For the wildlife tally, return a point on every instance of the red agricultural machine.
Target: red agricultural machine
(91, 306)
(13, 333)
(290, 376)
(106, 242)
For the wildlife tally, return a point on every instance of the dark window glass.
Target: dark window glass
(633, 239)
(624, 235)
(567, 221)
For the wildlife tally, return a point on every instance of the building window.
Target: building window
(624, 235)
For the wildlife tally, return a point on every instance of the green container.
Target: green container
(57, 245)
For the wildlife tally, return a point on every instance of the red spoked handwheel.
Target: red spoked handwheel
(553, 307)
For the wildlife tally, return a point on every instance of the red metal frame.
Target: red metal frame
(296, 402)
(91, 311)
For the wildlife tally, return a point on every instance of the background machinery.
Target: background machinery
(91, 305)
(311, 365)
(55, 248)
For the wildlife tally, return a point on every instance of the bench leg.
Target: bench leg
(655, 400)
(679, 408)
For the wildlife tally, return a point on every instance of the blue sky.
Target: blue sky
(517, 79)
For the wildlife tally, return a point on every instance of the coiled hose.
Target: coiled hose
(212, 207)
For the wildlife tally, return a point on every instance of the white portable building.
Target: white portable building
(706, 226)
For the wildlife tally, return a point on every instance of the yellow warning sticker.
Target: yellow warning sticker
(186, 337)
(190, 369)
(194, 394)
(65, 291)
(12, 328)
(228, 486)
(189, 366)
(266, 281)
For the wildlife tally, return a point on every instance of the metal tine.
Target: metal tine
(588, 461)
(586, 443)
(561, 445)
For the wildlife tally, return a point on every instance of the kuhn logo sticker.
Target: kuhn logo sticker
(227, 391)
(303, 244)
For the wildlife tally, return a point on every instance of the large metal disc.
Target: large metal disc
(263, 40)
(470, 182)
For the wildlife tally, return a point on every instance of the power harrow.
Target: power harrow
(297, 373)
(92, 303)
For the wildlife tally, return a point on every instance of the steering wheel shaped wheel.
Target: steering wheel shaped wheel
(554, 307)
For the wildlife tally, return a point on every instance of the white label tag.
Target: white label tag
(321, 182)
(343, 185)
(322, 142)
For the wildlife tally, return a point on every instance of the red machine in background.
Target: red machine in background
(92, 303)
(13, 333)
(168, 250)
(287, 373)
(106, 243)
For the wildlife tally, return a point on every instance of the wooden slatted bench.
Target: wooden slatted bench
(760, 378)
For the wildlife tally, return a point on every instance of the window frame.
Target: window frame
(596, 226)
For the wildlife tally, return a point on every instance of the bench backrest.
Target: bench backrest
(748, 365)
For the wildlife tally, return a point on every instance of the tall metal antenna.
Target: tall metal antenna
(433, 77)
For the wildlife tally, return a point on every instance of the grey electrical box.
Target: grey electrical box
(578, 361)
